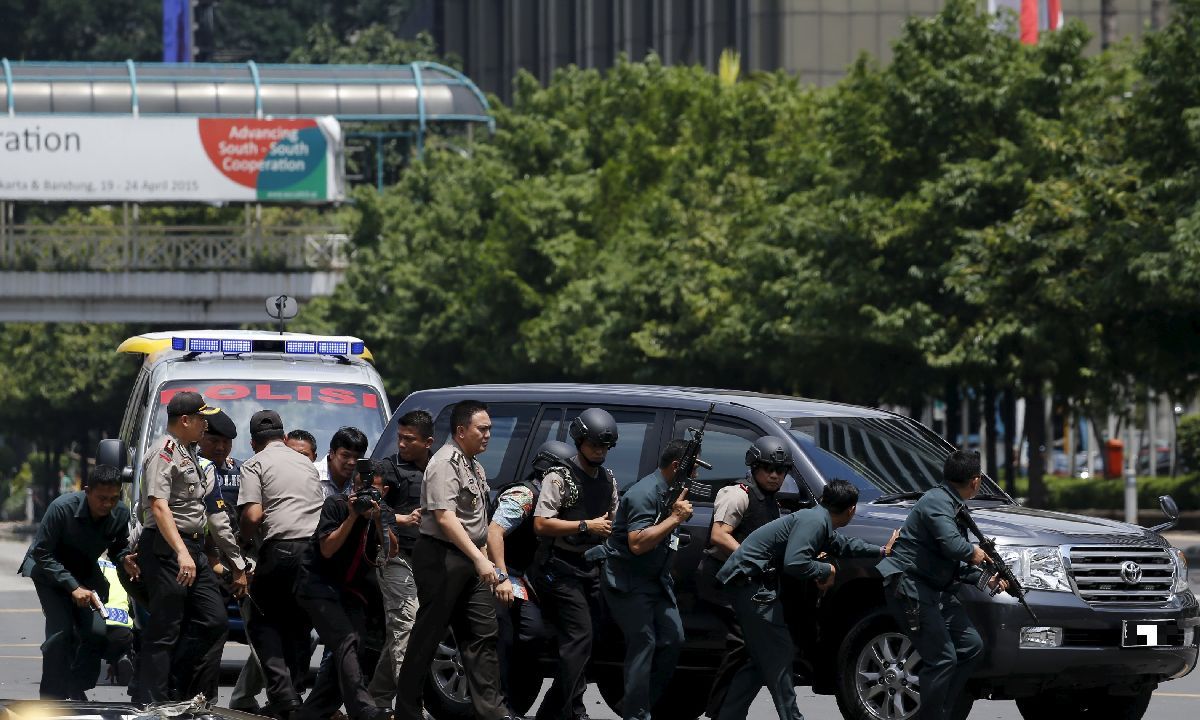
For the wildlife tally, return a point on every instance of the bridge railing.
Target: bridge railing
(254, 248)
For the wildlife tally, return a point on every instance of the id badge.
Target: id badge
(674, 542)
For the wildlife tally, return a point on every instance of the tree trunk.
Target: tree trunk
(990, 433)
(953, 408)
(1108, 22)
(1035, 428)
(1008, 412)
(1158, 14)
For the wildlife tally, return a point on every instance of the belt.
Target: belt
(185, 536)
(285, 540)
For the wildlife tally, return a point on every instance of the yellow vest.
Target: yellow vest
(118, 599)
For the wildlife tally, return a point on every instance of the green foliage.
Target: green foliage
(1073, 494)
(1187, 452)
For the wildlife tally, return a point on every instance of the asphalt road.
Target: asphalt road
(21, 633)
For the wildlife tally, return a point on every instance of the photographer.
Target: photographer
(337, 587)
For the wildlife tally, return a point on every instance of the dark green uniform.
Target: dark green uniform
(921, 576)
(641, 597)
(790, 544)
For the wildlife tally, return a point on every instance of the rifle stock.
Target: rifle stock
(988, 545)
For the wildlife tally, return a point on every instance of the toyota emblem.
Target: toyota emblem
(1131, 572)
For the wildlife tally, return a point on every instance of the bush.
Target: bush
(1189, 443)
(1063, 493)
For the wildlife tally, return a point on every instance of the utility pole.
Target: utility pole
(204, 29)
(1108, 23)
(1158, 14)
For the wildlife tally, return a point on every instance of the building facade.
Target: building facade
(816, 39)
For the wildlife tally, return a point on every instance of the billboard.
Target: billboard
(170, 159)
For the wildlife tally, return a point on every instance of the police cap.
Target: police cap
(189, 403)
(221, 424)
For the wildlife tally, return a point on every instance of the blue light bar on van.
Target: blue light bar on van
(236, 346)
(357, 348)
(300, 347)
(204, 345)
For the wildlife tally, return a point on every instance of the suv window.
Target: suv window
(725, 443)
(510, 421)
(636, 435)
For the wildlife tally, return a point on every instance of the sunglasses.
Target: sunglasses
(772, 468)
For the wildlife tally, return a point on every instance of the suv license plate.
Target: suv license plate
(1145, 633)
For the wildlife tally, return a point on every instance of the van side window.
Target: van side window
(511, 423)
(636, 429)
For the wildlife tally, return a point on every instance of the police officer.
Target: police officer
(335, 587)
(795, 544)
(185, 604)
(402, 475)
(215, 446)
(637, 583)
(280, 499)
(574, 514)
(739, 510)
(61, 560)
(930, 558)
(454, 576)
(514, 544)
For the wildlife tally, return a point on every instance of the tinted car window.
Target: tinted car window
(510, 428)
(634, 429)
(878, 455)
(725, 445)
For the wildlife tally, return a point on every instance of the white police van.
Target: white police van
(316, 383)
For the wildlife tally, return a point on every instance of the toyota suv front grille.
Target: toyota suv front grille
(1121, 574)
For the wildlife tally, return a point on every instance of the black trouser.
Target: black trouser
(521, 638)
(184, 624)
(712, 593)
(342, 626)
(571, 603)
(451, 595)
(75, 641)
(278, 628)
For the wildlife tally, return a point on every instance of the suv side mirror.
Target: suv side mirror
(1171, 509)
(115, 453)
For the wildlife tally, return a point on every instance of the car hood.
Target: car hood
(74, 710)
(1018, 525)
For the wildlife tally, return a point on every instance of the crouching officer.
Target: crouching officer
(574, 514)
(61, 560)
(933, 555)
(739, 510)
(185, 600)
(792, 544)
(637, 583)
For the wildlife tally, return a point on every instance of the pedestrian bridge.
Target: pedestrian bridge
(209, 275)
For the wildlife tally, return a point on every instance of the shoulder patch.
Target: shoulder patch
(164, 456)
(745, 488)
(169, 445)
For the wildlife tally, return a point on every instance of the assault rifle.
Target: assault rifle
(1001, 568)
(687, 464)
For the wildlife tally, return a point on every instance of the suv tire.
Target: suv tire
(446, 695)
(869, 690)
(680, 701)
(1093, 704)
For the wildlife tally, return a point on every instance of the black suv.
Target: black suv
(1115, 614)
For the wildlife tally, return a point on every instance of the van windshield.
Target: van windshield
(881, 456)
(320, 408)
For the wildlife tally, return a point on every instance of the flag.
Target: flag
(1033, 16)
(177, 31)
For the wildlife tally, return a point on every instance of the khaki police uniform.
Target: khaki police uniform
(286, 485)
(185, 621)
(449, 592)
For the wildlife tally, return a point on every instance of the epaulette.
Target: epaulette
(745, 488)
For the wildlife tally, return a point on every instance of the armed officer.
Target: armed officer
(931, 557)
(402, 482)
(280, 498)
(186, 608)
(796, 544)
(574, 514)
(637, 582)
(739, 510)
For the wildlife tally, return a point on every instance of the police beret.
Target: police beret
(221, 424)
(265, 421)
(188, 403)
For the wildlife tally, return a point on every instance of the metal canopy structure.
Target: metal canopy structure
(420, 92)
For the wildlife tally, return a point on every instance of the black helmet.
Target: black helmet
(596, 425)
(552, 453)
(768, 450)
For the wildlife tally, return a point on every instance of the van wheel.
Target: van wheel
(877, 673)
(447, 696)
(1090, 704)
(680, 701)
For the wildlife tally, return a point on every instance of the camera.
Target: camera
(365, 499)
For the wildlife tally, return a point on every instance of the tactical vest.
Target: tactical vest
(761, 510)
(594, 499)
(403, 496)
(521, 544)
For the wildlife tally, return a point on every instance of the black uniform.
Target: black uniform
(339, 593)
(61, 558)
(760, 509)
(567, 584)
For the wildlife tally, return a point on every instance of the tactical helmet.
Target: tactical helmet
(768, 450)
(596, 425)
(552, 453)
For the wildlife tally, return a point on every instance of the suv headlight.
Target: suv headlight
(1181, 571)
(1038, 568)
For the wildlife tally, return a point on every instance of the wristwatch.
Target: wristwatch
(583, 526)
(501, 576)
